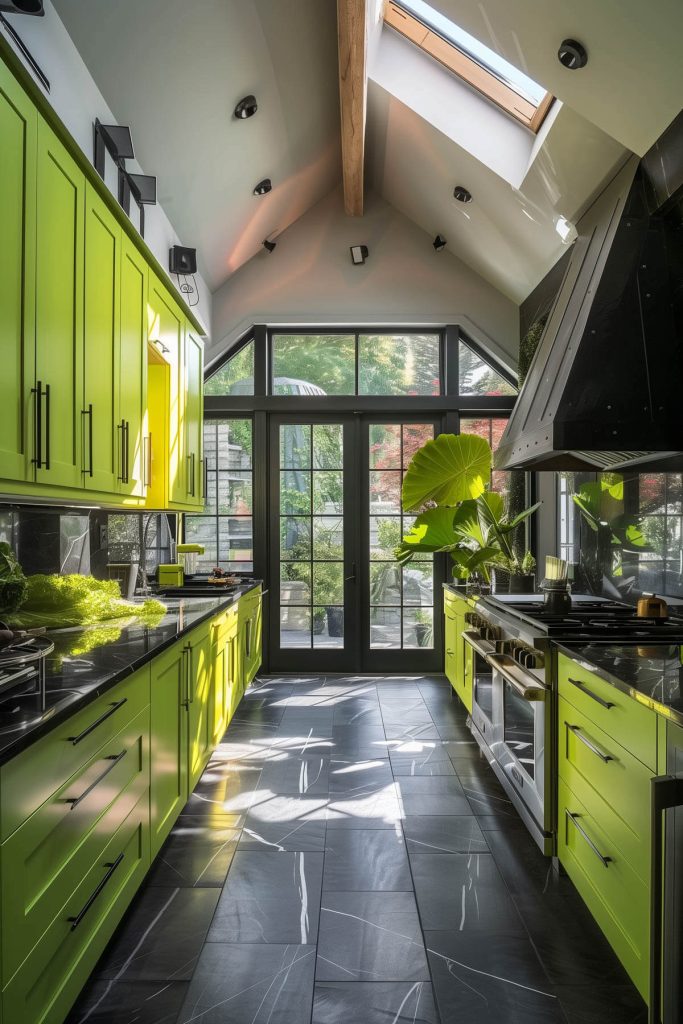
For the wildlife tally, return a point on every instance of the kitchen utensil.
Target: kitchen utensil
(187, 557)
(652, 607)
(557, 598)
(555, 568)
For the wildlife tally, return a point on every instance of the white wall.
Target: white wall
(77, 101)
(309, 279)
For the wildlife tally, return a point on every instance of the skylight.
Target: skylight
(471, 60)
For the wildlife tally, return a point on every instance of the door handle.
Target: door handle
(593, 747)
(38, 424)
(88, 412)
(666, 793)
(594, 696)
(574, 818)
(113, 761)
(352, 577)
(148, 461)
(47, 426)
(112, 866)
(205, 479)
(126, 451)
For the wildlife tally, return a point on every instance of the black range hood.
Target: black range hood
(605, 388)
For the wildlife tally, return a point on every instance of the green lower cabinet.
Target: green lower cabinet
(44, 988)
(200, 711)
(458, 654)
(168, 742)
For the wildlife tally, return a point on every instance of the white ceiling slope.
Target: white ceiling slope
(174, 71)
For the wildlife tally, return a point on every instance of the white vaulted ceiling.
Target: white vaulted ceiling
(173, 70)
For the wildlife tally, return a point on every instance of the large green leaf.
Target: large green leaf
(431, 531)
(449, 469)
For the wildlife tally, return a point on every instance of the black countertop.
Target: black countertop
(652, 674)
(87, 662)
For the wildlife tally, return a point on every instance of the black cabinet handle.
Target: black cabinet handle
(38, 423)
(47, 426)
(88, 412)
(112, 709)
(584, 689)
(113, 761)
(574, 818)
(666, 792)
(112, 866)
(594, 749)
(127, 452)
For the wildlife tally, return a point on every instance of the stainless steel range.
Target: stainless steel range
(514, 693)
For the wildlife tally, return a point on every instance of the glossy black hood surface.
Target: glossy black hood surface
(605, 388)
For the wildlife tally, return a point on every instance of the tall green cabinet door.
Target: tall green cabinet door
(200, 709)
(133, 370)
(59, 314)
(194, 411)
(167, 333)
(103, 435)
(169, 704)
(18, 133)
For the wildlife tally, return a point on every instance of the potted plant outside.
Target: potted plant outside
(423, 629)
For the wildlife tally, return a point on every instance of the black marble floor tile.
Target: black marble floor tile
(194, 854)
(432, 795)
(376, 808)
(602, 1004)
(464, 892)
(369, 859)
(348, 775)
(443, 834)
(129, 1002)
(407, 732)
(160, 937)
(286, 809)
(487, 796)
(370, 936)
(360, 711)
(357, 1002)
(490, 980)
(270, 898)
(525, 869)
(292, 774)
(421, 764)
(285, 837)
(251, 984)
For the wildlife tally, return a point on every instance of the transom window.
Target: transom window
(482, 68)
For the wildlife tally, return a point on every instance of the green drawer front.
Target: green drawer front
(29, 779)
(248, 602)
(630, 723)
(222, 625)
(616, 791)
(46, 858)
(616, 897)
(44, 988)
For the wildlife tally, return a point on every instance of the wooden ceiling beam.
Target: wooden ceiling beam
(352, 35)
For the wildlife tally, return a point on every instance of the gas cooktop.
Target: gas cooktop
(590, 618)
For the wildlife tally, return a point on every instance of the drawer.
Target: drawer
(49, 980)
(620, 716)
(248, 602)
(616, 897)
(29, 779)
(616, 791)
(223, 625)
(44, 861)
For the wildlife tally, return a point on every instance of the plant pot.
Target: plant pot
(500, 579)
(335, 621)
(521, 584)
(318, 623)
(423, 634)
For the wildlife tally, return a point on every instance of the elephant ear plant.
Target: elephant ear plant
(446, 484)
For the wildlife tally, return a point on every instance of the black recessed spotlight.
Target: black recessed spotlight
(572, 55)
(263, 187)
(462, 194)
(359, 254)
(34, 7)
(268, 246)
(439, 243)
(246, 107)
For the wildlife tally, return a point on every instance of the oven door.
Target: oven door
(483, 712)
(523, 744)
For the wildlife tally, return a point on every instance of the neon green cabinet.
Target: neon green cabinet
(18, 135)
(103, 440)
(193, 416)
(225, 665)
(168, 742)
(200, 714)
(458, 654)
(132, 411)
(58, 397)
(249, 615)
(166, 332)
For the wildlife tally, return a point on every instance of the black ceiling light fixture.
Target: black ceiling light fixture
(359, 254)
(439, 243)
(246, 107)
(572, 55)
(263, 187)
(268, 246)
(462, 194)
(116, 140)
(33, 7)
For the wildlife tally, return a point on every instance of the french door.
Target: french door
(341, 601)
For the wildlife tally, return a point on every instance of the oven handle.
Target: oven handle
(474, 638)
(530, 691)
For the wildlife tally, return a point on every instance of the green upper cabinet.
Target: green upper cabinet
(194, 411)
(104, 439)
(133, 370)
(18, 129)
(59, 314)
(167, 331)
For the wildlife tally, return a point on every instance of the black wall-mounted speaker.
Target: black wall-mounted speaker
(182, 260)
(34, 7)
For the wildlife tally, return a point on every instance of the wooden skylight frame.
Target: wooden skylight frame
(479, 77)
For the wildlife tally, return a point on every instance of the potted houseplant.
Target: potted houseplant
(446, 484)
(423, 628)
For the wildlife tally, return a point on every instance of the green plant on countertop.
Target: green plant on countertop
(12, 581)
(73, 600)
(446, 483)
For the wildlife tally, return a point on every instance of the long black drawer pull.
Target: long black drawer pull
(584, 689)
(113, 761)
(594, 749)
(574, 818)
(47, 426)
(98, 721)
(38, 424)
(112, 866)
